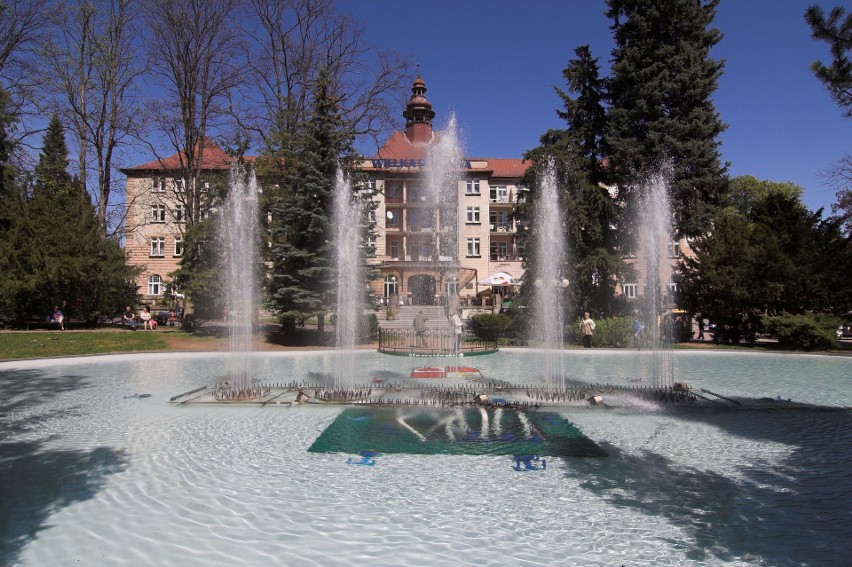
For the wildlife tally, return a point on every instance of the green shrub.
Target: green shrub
(491, 326)
(370, 327)
(616, 332)
(803, 332)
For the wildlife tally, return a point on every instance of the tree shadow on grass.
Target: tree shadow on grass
(790, 511)
(37, 479)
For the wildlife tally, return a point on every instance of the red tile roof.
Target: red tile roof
(214, 158)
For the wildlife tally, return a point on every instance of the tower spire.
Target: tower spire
(418, 113)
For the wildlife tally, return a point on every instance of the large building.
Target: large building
(425, 253)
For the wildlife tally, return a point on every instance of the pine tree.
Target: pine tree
(661, 107)
(301, 277)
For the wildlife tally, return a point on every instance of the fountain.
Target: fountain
(655, 230)
(238, 234)
(346, 220)
(549, 251)
(91, 476)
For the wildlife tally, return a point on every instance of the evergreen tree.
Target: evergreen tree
(837, 32)
(57, 256)
(592, 215)
(767, 254)
(302, 277)
(661, 107)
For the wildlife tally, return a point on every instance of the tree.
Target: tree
(837, 78)
(22, 26)
(291, 42)
(592, 215)
(837, 32)
(57, 256)
(765, 254)
(301, 276)
(661, 108)
(199, 65)
(93, 65)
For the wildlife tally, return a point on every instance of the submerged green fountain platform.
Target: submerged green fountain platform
(460, 431)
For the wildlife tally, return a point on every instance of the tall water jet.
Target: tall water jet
(655, 230)
(548, 277)
(238, 234)
(346, 220)
(442, 174)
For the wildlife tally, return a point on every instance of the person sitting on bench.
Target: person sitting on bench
(129, 318)
(57, 318)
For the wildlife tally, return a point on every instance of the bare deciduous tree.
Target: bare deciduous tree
(22, 25)
(291, 41)
(94, 66)
(194, 48)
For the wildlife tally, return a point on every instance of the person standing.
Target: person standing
(420, 328)
(587, 329)
(457, 332)
(701, 328)
(638, 327)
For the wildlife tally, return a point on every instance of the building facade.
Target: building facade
(467, 248)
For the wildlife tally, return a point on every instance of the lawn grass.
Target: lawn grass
(68, 343)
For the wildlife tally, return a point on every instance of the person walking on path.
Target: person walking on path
(587, 329)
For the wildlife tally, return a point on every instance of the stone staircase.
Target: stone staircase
(435, 315)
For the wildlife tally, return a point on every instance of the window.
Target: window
(371, 245)
(473, 215)
(673, 287)
(499, 250)
(394, 249)
(452, 286)
(155, 285)
(499, 220)
(180, 185)
(179, 213)
(371, 214)
(414, 250)
(158, 246)
(415, 194)
(472, 187)
(390, 287)
(393, 190)
(521, 248)
(158, 185)
(499, 194)
(674, 249)
(629, 290)
(178, 246)
(158, 213)
(473, 247)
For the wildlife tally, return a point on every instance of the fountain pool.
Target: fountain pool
(92, 475)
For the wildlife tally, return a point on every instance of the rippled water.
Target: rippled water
(90, 477)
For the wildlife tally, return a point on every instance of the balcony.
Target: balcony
(501, 227)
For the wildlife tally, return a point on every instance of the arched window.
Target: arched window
(155, 285)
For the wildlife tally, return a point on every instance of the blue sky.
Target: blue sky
(495, 62)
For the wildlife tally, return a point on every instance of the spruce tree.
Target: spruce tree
(590, 212)
(301, 276)
(661, 108)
